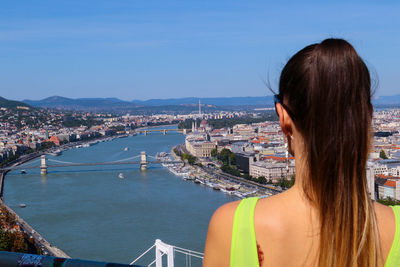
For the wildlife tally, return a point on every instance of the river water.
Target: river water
(90, 213)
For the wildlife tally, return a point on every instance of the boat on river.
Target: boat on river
(121, 175)
(55, 153)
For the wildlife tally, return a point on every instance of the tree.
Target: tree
(190, 159)
(214, 153)
(232, 159)
(285, 183)
(3, 242)
(382, 154)
(262, 180)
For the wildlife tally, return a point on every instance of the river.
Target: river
(90, 213)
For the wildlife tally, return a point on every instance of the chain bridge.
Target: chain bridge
(141, 159)
(163, 131)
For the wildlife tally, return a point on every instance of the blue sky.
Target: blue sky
(134, 49)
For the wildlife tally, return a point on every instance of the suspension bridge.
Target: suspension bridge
(163, 131)
(143, 162)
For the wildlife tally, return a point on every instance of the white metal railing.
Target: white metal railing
(162, 249)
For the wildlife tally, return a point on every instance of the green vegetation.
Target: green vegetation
(228, 160)
(224, 123)
(178, 152)
(389, 201)
(261, 180)
(231, 170)
(286, 183)
(11, 104)
(70, 121)
(382, 154)
(8, 160)
(46, 145)
(11, 237)
(119, 128)
(226, 156)
(189, 158)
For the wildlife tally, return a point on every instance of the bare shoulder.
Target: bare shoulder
(383, 211)
(284, 226)
(273, 215)
(218, 243)
(386, 226)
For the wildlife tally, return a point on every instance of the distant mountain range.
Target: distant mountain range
(5, 103)
(164, 105)
(393, 100)
(100, 104)
(217, 101)
(89, 103)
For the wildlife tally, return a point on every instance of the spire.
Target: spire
(199, 108)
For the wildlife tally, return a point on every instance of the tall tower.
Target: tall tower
(199, 109)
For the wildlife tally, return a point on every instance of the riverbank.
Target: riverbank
(219, 181)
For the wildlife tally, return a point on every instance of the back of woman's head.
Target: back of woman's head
(326, 86)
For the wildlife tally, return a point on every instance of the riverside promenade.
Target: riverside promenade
(226, 179)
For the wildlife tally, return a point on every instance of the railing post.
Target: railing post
(162, 248)
(158, 257)
(170, 256)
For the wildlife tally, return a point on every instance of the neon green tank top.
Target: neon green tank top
(393, 259)
(244, 244)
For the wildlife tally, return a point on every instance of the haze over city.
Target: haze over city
(172, 49)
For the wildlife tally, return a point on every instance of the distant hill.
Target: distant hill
(5, 103)
(100, 104)
(217, 101)
(393, 100)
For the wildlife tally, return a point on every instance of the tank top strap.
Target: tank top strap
(393, 258)
(243, 243)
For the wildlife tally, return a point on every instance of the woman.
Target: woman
(327, 217)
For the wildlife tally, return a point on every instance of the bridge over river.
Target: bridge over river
(163, 131)
(143, 162)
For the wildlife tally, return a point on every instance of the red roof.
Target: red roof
(390, 183)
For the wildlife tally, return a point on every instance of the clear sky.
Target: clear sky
(142, 49)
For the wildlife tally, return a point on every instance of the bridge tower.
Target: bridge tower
(143, 161)
(164, 132)
(43, 166)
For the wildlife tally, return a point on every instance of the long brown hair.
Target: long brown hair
(328, 86)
